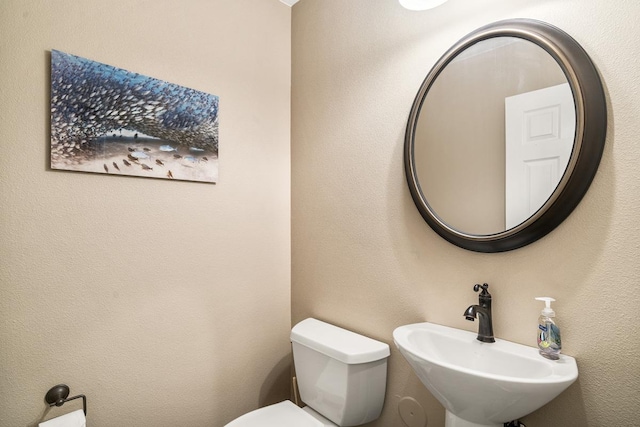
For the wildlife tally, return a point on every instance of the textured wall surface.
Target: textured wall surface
(363, 258)
(167, 303)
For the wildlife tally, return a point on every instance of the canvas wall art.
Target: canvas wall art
(112, 121)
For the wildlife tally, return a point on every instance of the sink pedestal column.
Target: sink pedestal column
(454, 421)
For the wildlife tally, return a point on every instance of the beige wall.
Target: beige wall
(363, 258)
(167, 303)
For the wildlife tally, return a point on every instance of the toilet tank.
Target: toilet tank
(341, 375)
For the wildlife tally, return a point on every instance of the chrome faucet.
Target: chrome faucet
(483, 312)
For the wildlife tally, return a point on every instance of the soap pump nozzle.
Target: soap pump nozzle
(547, 310)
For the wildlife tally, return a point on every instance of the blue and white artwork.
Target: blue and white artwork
(108, 120)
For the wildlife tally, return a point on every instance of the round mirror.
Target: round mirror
(505, 135)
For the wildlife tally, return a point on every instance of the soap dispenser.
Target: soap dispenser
(549, 343)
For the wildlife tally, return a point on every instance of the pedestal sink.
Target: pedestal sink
(482, 384)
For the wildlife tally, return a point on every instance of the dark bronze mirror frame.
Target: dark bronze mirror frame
(591, 125)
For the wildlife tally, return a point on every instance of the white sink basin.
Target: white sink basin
(482, 384)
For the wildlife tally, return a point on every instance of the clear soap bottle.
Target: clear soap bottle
(549, 342)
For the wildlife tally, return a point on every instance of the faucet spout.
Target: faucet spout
(482, 312)
(471, 312)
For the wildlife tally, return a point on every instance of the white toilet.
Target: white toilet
(342, 378)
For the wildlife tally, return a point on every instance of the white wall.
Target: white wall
(167, 303)
(363, 257)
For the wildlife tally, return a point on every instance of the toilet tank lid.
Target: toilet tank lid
(340, 344)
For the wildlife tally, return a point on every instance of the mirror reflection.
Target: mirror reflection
(494, 135)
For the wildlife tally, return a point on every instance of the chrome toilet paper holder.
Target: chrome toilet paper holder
(58, 396)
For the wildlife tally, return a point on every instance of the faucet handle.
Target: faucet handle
(485, 289)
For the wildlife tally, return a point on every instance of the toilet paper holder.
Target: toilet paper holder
(57, 396)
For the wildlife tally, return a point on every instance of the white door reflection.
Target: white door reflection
(540, 131)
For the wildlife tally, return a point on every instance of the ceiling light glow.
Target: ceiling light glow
(421, 4)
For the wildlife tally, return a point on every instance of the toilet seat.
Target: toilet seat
(283, 414)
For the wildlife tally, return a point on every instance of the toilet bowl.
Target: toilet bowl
(283, 414)
(341, 377)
